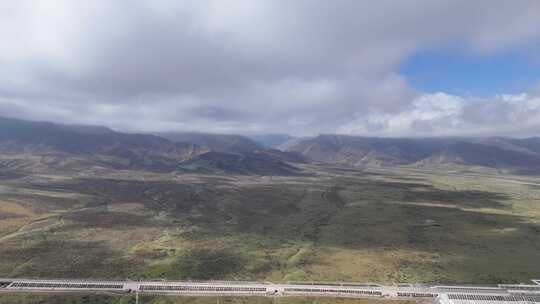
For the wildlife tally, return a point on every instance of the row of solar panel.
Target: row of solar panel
(416, 295)
(324, 290)
(470, 291)
(493, 298)
(531, 288)
(202, 288)
(65, 285)
(334, 284)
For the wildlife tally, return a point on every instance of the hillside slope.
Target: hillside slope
(214, 142)
(356, 150)
(40, 146)
(124, 150)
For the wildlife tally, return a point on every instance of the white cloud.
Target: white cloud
(303, 67)
(442, 114)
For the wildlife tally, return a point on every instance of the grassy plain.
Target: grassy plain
(381, 225)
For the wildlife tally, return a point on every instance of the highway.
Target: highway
(443, 294)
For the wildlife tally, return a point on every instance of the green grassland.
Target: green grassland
(383, 225)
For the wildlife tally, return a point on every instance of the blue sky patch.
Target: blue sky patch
(464, 74)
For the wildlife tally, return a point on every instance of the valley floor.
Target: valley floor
(453, 225)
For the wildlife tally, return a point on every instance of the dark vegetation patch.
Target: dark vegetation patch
(7, 175)
(211, 206)
(341, 169)
(477, 240)
(205, 264)
(45, 258)
(8, 215)
(252, 163)
(471, 199)
(405, 186)
(378, 224)
(407, 178)
(283, 211)
(535, 187)
(260, 209)
(426, 193)
(202, 264)
(41, 203)
(332, 195)
(158, 196)
(527, 171)
(107, 219)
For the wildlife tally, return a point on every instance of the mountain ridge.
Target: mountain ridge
(59, 145)
(495, 152)
(213, 141)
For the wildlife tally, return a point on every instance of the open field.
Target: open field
(334, 224)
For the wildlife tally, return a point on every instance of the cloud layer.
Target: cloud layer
(255, 66)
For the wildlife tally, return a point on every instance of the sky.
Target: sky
(303, 67)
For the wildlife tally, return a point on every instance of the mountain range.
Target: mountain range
(494, 152)
(95, 146)
(237, 154)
